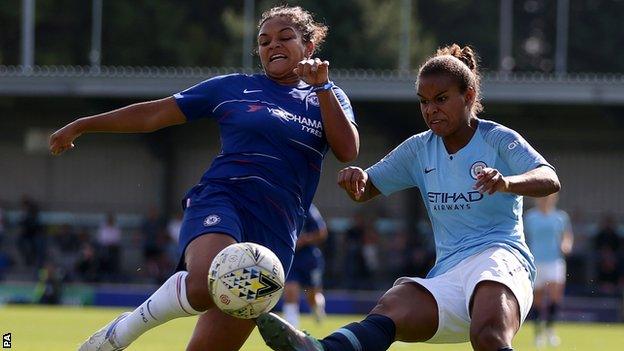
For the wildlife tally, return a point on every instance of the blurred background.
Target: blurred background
(98, 225)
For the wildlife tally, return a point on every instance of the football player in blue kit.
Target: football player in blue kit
(307, 270)
(550, 238)
(276, 128)
(472, 174)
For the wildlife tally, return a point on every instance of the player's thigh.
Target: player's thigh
(198, 257)
(555, 291)
(495, 315)
(413, 310)
(216, 331)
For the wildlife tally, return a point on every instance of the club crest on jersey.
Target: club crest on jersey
(313, 100)
(477, 168)
(211, 220)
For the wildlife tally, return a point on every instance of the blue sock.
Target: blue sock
(374, 333)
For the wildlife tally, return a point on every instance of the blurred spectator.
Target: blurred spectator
(397, 255)
(370, 249)
(86, 263)
(173, 230)
(151, 228)
(66, 239)
(607, 244)
(173, 227)
(109, 247)
(356, 273)
(31, 241)
(608, 272)
(49, 289)
(607, 236)
(158, 265)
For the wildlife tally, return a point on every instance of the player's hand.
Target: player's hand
(63, 139)
(313, 71)
(353, 180)
(489, 180)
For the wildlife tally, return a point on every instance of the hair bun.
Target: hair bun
(465, 55)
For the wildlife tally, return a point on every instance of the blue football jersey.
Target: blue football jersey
(544, 233)
(465, 222)
(270, 133)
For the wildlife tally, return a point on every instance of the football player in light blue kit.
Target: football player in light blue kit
(472, 174)
(307, 270)
(550, 238)
(275, 129)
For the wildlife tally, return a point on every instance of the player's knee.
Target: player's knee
(197, 291)
(389, 305)
(489, 338)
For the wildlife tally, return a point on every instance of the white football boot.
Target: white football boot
(104, 339)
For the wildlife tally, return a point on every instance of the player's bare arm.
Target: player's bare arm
(538, 182)
(357, 184)
(141, 117)
(342, 136)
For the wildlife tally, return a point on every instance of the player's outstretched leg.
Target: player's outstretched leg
(279, 335)
(167, 303)
(390, 320)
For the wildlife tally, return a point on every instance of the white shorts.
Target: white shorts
(453, 290)
(550, 272)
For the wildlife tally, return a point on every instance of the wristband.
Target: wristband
(326, 86)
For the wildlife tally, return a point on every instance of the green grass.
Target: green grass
(37, 328)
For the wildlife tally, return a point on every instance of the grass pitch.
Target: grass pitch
(38, 328)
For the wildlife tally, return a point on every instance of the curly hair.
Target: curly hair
(311, 31)
(461, 64)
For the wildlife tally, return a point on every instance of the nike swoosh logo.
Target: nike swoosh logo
(427, 170)
(251, 91)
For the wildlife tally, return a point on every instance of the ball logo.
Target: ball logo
(224, 299)
(211, 220)
(477, 168)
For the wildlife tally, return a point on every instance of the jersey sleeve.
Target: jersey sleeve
(515, 151)
(200, 100)
(567, 224)
(345, 103)
(394, 171)
(314, 221)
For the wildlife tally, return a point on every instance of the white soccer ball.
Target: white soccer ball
(245, 280)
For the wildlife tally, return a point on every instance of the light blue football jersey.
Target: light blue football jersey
(464, 221)
(544, 233)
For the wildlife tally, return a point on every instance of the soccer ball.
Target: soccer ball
(245, 280)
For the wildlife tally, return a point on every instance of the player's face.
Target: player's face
(444, 108)
(280, 47)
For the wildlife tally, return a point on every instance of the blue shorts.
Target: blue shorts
(223, 208)
(307, 268)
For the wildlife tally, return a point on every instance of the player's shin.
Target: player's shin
(375, 333)
(167, 303)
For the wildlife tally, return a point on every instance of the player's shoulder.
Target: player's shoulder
(495, 133)
(562, 214)
(420, 141)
